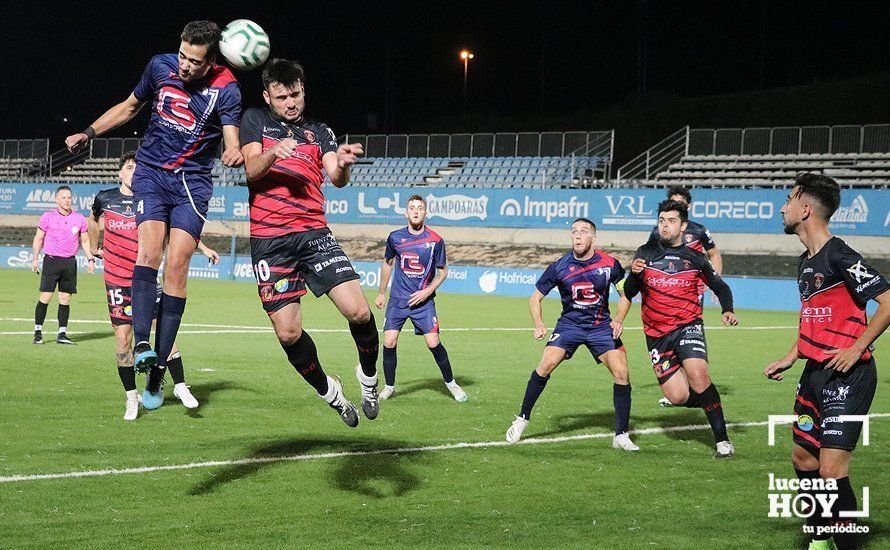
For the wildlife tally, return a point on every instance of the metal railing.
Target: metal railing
(505, 144)
(656, 158)
(790, 140)
(24, 148)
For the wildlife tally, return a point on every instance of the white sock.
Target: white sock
(63, 330)
(181, 385)
(132, 395)
(38, 327)
(332, 391)
(367, 380)
(388, 387)
(452, 384)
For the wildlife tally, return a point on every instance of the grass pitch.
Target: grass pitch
(61, 411)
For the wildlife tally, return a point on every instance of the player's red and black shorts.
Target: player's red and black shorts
(823, 395)
(284, 266)
(669, 351)
(120, 308)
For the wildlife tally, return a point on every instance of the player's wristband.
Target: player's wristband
(90, 132)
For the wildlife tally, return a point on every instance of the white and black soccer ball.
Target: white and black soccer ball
(244, 44)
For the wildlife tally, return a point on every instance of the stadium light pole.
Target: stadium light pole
(465, 56)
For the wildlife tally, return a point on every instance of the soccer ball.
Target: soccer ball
(244, 44)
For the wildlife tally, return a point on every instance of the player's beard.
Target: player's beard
(667, 242)
(416, 227)
(790, 229)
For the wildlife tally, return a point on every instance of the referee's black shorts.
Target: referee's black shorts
(59, 271)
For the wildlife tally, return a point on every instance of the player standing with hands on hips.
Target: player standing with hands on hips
(194, 103)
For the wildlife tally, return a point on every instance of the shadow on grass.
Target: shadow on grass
(605, 420)
(82, 337)
(435, 384)
(375, 475)
(203, 392)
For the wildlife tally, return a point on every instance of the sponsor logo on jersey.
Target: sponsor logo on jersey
(859, 271)
(818, 279)
(282, 285)
(805, 422)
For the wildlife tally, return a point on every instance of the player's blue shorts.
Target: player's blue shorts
(423, 318)
(569, 336)
(161, 195)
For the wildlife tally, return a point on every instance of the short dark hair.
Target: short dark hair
(674, 206)
(63, 188)
(821, 189)
(585, 220)
(679, 190)
(416, 198)
(202, 33)
(282, 71)
(127, 157)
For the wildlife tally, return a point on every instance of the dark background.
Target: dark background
(642, 67)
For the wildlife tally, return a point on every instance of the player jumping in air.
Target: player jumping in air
(672, 317)
(835, 339)
(114, 207)
(419, 256)
(583, 277)
(194, 102)
(291, 246)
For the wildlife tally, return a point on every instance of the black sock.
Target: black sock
(303, 355)
(169, 317)
(174, 365)
(621, 401)
(143, 295)
(128, 377)
(694, 401)
(815, 519)
(367, 341)
(441, 357)
(710, 402)
(533, 390)
(40, 315)
(63, 313)
(846, 502)
(155, 378)
(389, 365)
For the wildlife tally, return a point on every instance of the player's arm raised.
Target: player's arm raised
(337, 164)
(385, 274)
(113, 118)
(257, 162)
(536, 310)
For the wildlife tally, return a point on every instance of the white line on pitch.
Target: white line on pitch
(342, 454)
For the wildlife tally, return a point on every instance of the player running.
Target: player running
(672, 317)
(836, 339)
(194, 102)
(421, 267)
(115, 207)
(583, 277)
(291, 246)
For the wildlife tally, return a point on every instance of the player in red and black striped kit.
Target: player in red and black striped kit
(286, 155)
(115, 208)
(836, 340)
(668, 274)
(695, 236)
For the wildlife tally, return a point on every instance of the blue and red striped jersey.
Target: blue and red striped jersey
(416, 259)
(186, 118)
(583, 286)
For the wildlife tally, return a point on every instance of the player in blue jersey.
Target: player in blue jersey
(194, 102)
(418, 254)
(583, 277)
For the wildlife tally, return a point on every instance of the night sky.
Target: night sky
(398, 61)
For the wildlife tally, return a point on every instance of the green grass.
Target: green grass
(61, 409)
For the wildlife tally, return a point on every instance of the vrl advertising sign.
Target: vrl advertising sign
(862, 212)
